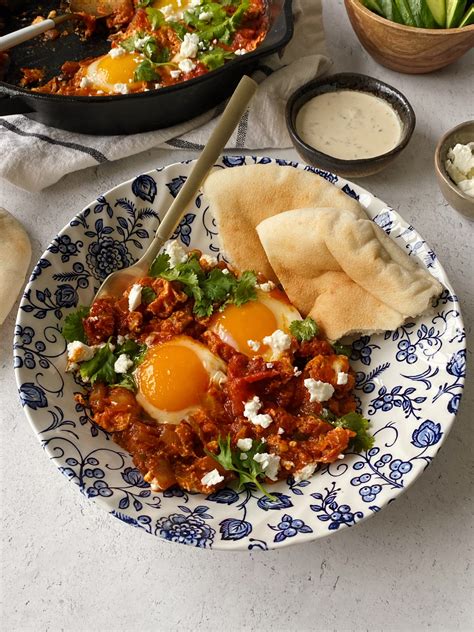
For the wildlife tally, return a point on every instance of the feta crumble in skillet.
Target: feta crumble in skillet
(208, 378)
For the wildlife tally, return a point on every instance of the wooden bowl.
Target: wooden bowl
(406, 48)
(460, 201)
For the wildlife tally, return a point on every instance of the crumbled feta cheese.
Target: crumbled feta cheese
(116, 52)
(219, 378)
(254, 345)
(71, 367)
(240, 51)
(306, 472)
(122, 363)
(175, 252)
(278, 342)
(122, 339)
(225, 271)
(195, 3)
(251, 409)
(79, 352)
(244, 444)
(134, 297)
(85, 82)
(174, 74)
(269, 365)
(280, 431)
(205, 16)
(341, 378)
(212, 478)
(186, 65)
(189, 45)
(318, 391)
(121, 88)
(243, 456)
(341, 456)
(296, 371)
(209, 259)
(266, 287)
(167, 10)
(270, 464)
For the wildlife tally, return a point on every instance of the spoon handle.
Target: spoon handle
(214, 146)
(29, 32)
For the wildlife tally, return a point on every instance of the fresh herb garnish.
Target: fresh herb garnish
(100, 368)
(156, 18)
(73, 329)
(248, 470)
(155, 56)
(146, 71)
(148, 295)
(215, 58)
(304, 330)
(355, 422)
(221, 25)
(178, 28)
(340, 349)
(207, 289)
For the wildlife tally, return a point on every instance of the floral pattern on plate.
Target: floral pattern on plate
(409, 382)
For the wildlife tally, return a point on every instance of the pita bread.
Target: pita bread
(15, 255)
(345, 271)
(242, 197)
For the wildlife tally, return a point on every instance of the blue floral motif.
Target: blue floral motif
(328, 509)
(66, 296)
(144, 187)
(406, 352)
(183, 231)
(457, 364)
(233, 161)
(350, 192)
(99, 488)
(453, 404)
(384, 220)
(327, 175)
(362, 350)
(38, 269)
(386, 400)
(224, 496)
(102, 205)
(106, 256)
(366, 383)
(288, 527)
(235, 529)
(133, 476)
(175, 185)
(64, 245)
(281, 501)
(187, 528)
(32, 396)
(427, 434)
(142, 522)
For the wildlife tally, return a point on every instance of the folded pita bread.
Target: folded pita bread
(345, 271)
(15, 255)
(242, 197)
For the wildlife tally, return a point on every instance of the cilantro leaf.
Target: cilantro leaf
(133, 349)
(248, 470)
(304, 330)
(217, 286)
(148, 295)
(244, 290)
(127, 381)
(156, 18)
(355, 422)
(101, 367)
(178, 28)
(222, 25)
(146, 71)
(341, 349)
(215, 58)
(73, 329)
(160, 264)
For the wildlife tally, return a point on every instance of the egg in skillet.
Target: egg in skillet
(113, 73)
(174, 9)
(174, 378)
(244, 327)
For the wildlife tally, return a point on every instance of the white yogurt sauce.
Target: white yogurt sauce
(349, 125)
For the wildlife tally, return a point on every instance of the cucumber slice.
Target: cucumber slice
(468, 17)
(454, 12)
(407, 17)
(438, 11)
(373, 5)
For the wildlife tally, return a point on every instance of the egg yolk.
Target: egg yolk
(178, 5)
(111, 70)
(251, 321)
(172, 377)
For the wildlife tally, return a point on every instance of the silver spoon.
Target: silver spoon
(117, 282)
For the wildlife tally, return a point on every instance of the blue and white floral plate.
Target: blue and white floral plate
(409, 382)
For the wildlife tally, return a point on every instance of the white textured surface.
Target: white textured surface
(66, 565)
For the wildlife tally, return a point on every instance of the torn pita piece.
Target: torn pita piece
(15, 256)
(344, 271)
(242, 197)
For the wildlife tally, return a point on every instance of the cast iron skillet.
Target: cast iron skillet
(122, 114)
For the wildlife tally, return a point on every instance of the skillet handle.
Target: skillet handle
(13, 104)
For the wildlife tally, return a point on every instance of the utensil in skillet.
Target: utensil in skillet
(118, 281)
(95, 8)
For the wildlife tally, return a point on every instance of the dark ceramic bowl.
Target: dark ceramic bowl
(360, 83)
(460, 201)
